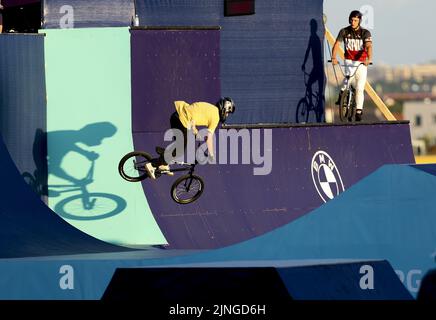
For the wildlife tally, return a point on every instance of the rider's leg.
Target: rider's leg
(160, 161)
(361, 76)
(348, 70)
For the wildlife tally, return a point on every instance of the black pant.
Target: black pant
(175, 123)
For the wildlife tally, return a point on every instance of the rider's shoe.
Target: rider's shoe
(358, 115)
(150, 170)
(165, 169)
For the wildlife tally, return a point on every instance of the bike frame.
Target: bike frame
(348, 77)
(187, 167)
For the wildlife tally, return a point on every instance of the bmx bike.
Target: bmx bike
(184, 190)
(347, 103)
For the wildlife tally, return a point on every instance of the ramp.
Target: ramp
(386, 216)
(237, 205)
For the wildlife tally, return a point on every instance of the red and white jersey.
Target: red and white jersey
(354, 43)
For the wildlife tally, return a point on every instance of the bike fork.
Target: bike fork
(188, 183)
(350, 97)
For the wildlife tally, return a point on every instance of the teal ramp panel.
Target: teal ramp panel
(88, 131)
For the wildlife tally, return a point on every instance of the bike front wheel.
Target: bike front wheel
(187, 189)
(347, 106)
(132, 166)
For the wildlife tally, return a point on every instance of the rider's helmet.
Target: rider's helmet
(225, 107)
(355, 14)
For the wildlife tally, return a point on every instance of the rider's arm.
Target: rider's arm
(368, 46)
(209, 143)
(335, 51)
(338, 41)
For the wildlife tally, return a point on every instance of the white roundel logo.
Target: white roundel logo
(326, 176)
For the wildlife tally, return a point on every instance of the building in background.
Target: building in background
(422, 116)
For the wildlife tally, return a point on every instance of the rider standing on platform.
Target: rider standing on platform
(358, 49)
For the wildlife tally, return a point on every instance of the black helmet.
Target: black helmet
(355, 14)
(225, 106)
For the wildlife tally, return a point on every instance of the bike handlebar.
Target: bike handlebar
(344, 65)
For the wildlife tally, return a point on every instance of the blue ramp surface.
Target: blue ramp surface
(344, 281)
(387, 216)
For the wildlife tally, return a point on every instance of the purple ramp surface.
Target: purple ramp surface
(170, 65)
(237, 205)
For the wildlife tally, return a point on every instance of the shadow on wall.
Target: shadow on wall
(83, 204)
(313, 100)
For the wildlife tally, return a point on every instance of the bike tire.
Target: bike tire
(344, 108)
(178, 189)
(105, 205)
(134, 173)
(352, 114)
(302, 115)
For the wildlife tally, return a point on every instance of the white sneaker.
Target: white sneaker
(165, 169)
(150, 170)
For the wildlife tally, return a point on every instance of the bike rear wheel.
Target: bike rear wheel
(187, 189)
(132, 166)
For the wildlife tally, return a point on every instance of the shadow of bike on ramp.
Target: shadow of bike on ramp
(82, 204)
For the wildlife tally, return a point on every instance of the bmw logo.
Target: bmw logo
(326, 176)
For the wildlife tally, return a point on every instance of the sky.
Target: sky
(403, 30)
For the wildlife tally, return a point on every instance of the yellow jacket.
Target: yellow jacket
(198, 114)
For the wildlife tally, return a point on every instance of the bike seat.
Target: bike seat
(160, 151)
